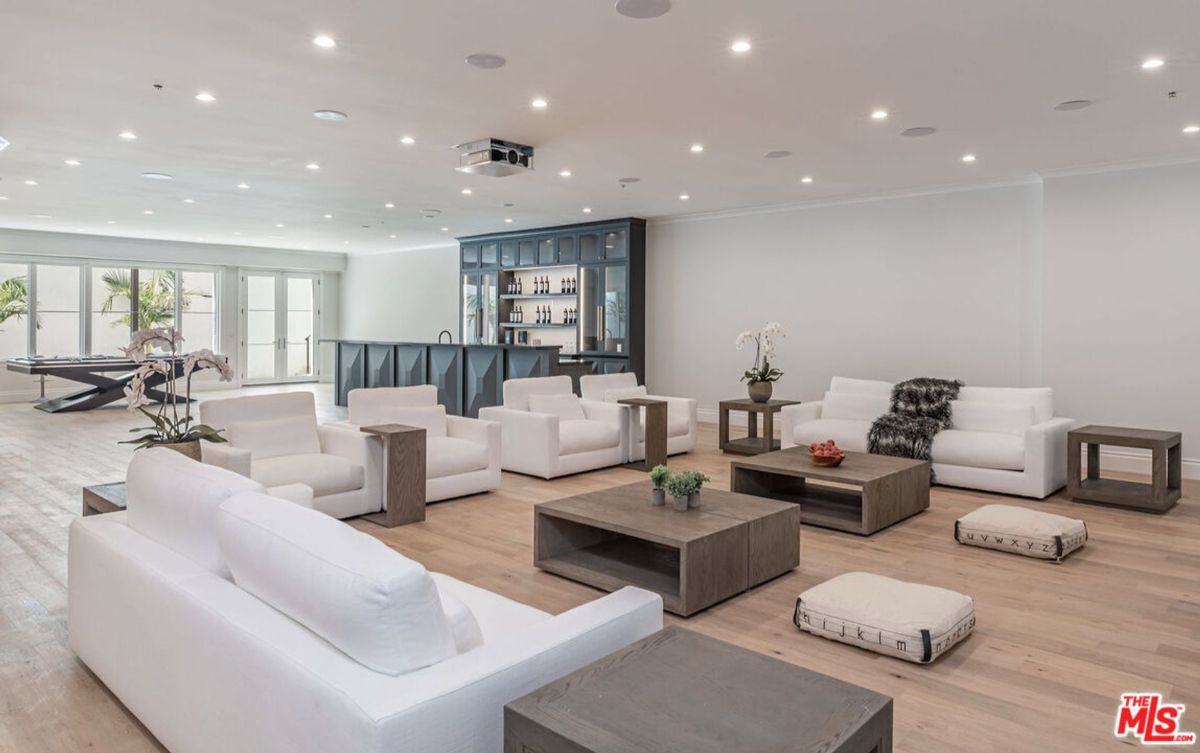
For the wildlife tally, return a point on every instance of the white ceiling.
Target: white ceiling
(627, 98)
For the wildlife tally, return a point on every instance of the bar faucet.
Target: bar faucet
(449, 336)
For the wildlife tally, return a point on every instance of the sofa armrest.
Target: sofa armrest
(471, 429)
(528, 441)
(1046, 453)
(790, 416)
(225, 455)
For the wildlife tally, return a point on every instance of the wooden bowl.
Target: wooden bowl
(827, 461)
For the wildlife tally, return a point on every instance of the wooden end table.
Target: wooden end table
(614, 538)
(882, 490)
(683, 692)
(751, 444)
(404, 485)
(656, 431)
(1166, 465)
(103, 498)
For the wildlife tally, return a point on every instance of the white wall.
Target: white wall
(409, 295)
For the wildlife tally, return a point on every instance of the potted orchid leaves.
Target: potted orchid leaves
(760, 377)
(172, 422)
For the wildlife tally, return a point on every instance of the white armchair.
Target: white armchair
(462, 455)
(275, 440)
(681, 412)
(547, 431)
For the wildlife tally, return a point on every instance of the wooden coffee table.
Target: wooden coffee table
(615, 537)
(867, 493)
(683, 692)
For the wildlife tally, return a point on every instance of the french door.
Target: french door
(279, 327)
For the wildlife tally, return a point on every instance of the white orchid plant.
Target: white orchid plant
(169, 426)
(764, 351)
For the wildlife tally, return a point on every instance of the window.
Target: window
(198, 320)
(56, 296)
(111, 324)
(14, 311)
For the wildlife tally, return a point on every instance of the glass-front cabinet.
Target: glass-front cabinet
(479, 307)
(604, 308)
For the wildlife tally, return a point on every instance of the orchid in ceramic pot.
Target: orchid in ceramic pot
(172, 427)
(759, 377)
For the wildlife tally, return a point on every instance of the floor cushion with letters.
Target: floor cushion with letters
(1032, 533)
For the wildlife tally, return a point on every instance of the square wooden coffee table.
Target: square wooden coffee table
(683, 692)
(865, 494)
(615, 537)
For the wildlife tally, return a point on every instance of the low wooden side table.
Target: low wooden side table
(404, 485)
(103, 498)
(684, 692)
(751, 444)
(1166, 466)
(656, 431)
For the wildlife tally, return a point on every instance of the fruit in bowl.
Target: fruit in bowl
(826, 453)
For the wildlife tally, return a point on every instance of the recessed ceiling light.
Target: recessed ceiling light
(627, 181)
(189, 201)
(587, 210)
(41, 216)
(327, 216)
(31, 182)
(278, 224)
(237, 232)
(1190, 129)
(879, 114)
(565, 174)
(393, 235)
(407, 140)
(539, 103)
(968, 158)
(697, 148)
(128, 135)
(312, 166)
(1073, 104)
(329, 115)
(1150, 64)
(777, 154)
(740, 45)
(467, 192)
(72, 162)
(806, 179)
(3, 198)
(918, 131)
(445, 230)
(243, 186)
(157, 176)
(324, 40)
(147, 211)
(508, 220)
(112, 222)
(643, 8)
(345, 243)
(205, 97)
(486, 60)
(389, 205)
(684, 197)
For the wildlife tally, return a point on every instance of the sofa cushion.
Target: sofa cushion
(566, 407)
(326, 474)
(612, 396)
(450, 456)
(979, 449)
(275, 437)
(517, 391)
(463, 624)
(1041, 398)
(910, 621)
(431, 418)
(849, 435)
(974, 415)
(861, 386)
(1032, 533)
(379, 608)
(854, 406)
(173, 500)
(585, 436)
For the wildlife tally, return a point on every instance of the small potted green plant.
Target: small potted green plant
(698, 481)
(659, 475)
(684, 488)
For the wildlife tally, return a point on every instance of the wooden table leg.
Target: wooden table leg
(768, 431)
(656, 434)
(1093, 460)
(404, 474)
(723, 428)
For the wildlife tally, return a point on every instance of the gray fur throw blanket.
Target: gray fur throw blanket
(920, 409)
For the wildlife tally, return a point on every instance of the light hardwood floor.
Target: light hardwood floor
(1054, 647)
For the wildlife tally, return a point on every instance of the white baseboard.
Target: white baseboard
(1124, 461)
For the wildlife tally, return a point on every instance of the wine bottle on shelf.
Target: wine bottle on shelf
(545, 285)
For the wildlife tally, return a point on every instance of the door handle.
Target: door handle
(600, 324)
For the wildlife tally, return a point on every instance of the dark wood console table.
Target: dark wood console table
(655, 433)
(404, 483)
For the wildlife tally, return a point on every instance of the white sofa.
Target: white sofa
(571, 436)
(462, 455)
(275, 439)
(208, 666)
(1003, 439)
(681, 412)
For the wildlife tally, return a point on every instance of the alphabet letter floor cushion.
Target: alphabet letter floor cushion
(1015, 529)
(910, 621)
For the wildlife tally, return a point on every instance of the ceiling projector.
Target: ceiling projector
(494, 157)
